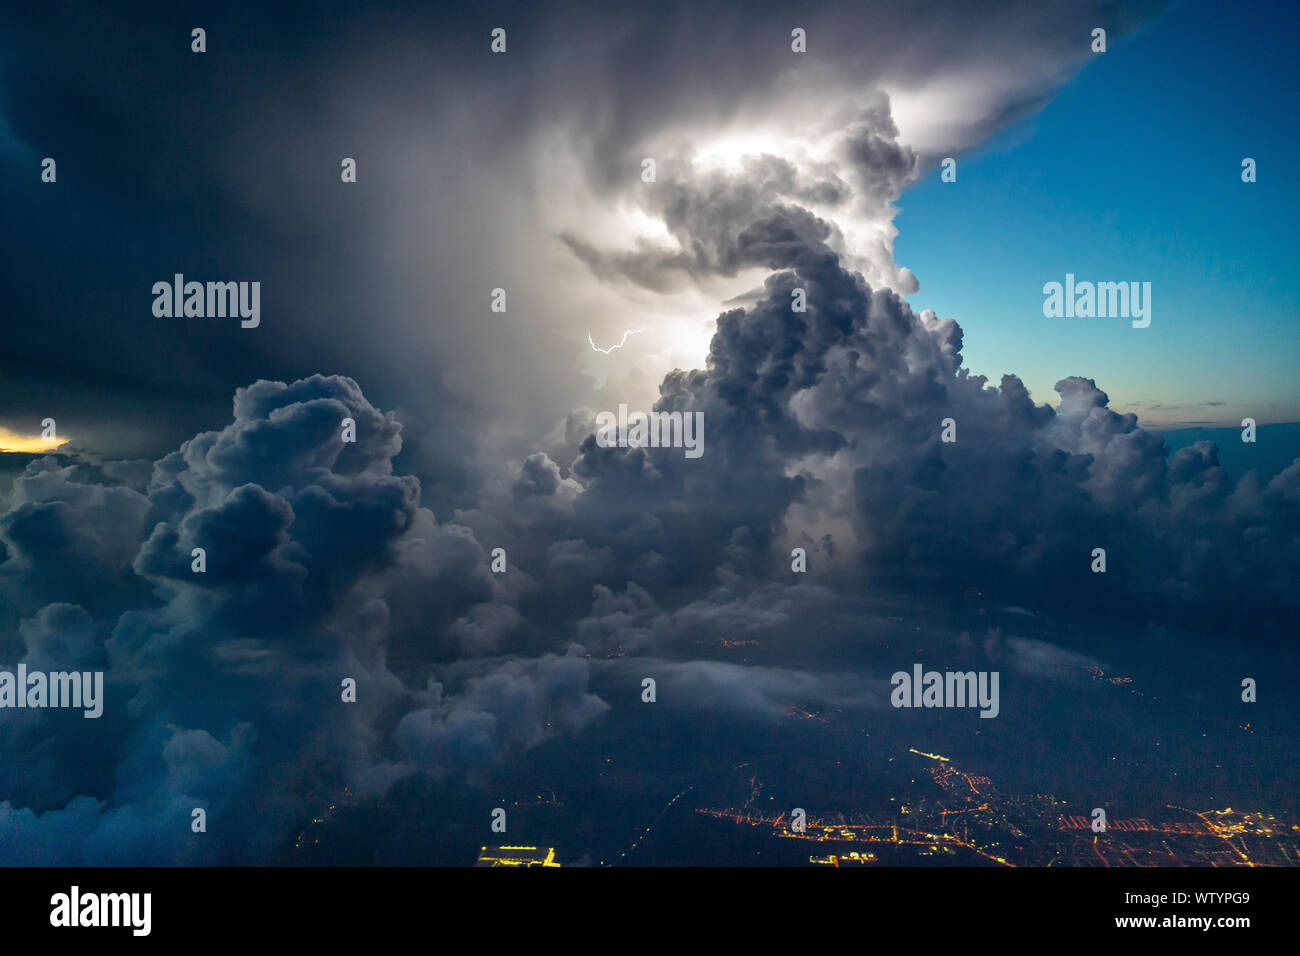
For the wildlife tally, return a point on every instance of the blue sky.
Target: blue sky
(1133, 173)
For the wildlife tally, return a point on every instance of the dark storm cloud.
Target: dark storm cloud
(710, 219)
(69, 537)
(880, 166)
(321, 557)
(515, 706)
(223, 687)
(324, 561)
(372, 280)
(839, 410)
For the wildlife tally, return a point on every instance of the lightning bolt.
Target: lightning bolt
(612, 347)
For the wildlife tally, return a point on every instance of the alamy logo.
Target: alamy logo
(653, 430)
(211, 300)
(83, 689)
(102, 909)
(1102, 300)
(947, 689)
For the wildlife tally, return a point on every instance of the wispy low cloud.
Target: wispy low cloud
(749, 690)
(1039, 658)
